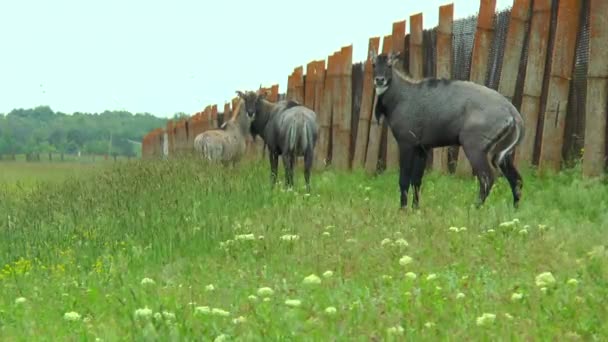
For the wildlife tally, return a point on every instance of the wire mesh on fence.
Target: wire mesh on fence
(574, 139)
(462, 46)
(497, 48)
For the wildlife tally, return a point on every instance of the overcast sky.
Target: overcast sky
(166, 56)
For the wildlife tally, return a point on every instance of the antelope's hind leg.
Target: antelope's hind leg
(513, 177)
(483, 169)
(308, 161)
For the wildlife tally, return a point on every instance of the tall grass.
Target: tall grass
(207, 237)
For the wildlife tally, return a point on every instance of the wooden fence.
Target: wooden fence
(547, 56)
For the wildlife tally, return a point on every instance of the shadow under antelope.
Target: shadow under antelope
(288, 129)
(429, 113)
(226, 144)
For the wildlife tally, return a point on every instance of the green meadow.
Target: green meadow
(183, 251)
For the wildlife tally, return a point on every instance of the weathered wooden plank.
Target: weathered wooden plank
(170, 136)
(342, 109)
(373, 153)
(514, 46)
(538, 44)
(309, 85)
(298, 79)
(395, 42)
(274, 93)
(562, 62)
(336, 113)
(443, 68)
(595, 154)
(365, 110)
(325, 109)
(479, 64)
(416, 52)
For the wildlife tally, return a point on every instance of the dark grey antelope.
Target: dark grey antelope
(288, 129)
(429, 113)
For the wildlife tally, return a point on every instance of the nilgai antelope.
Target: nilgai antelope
(428, 113)
(288, 129)
(226, 144)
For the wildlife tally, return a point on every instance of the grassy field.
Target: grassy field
(176, 251)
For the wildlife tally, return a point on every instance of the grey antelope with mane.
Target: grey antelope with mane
(226, 144)
(428, 113)
(288, 129)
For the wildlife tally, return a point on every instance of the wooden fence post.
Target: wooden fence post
(298, 87)
(389, 153)
(443, 68)
(396, 43)
(479, 64)
(342, 109)
(325, 109)
(568, 17)
(374, 145)
(514, 46)
(538, 44)
(594, 155)
(365, 110)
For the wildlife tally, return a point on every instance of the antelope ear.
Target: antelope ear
(393, 56)
(240, 94)
(264, 94)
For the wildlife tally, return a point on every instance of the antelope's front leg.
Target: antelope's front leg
(406, 161)
(274, 165)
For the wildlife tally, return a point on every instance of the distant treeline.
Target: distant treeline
(41, 130)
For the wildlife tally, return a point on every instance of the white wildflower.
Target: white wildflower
(330, 310)
(221, 338)
(289, 237)
(401, 243)
(312, 279)
(523, 232)
(351, 240)
(265, 291)
(385, 242)
(411, 275)
(71, 316)
(169, 316)
(328, 274)
(508, 316)
(485, 319)
(517, 296)
(252, 298)
(508, 224)
(543, 290)
(20, 300)
(204, 310)
(431, 276)
(293, 302)
(545, 279)
(396, 330)
(267, 299)
(429, 324)
(454, 229)
(387, 277)
(462, 229)
(244, 237)
(460, 295)
(219, 312)
(209, 287)
(491, 231)
(143, 313)
(148, 281)
(239, 320)
(405, 260)
(326, 234)
(572, 281)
